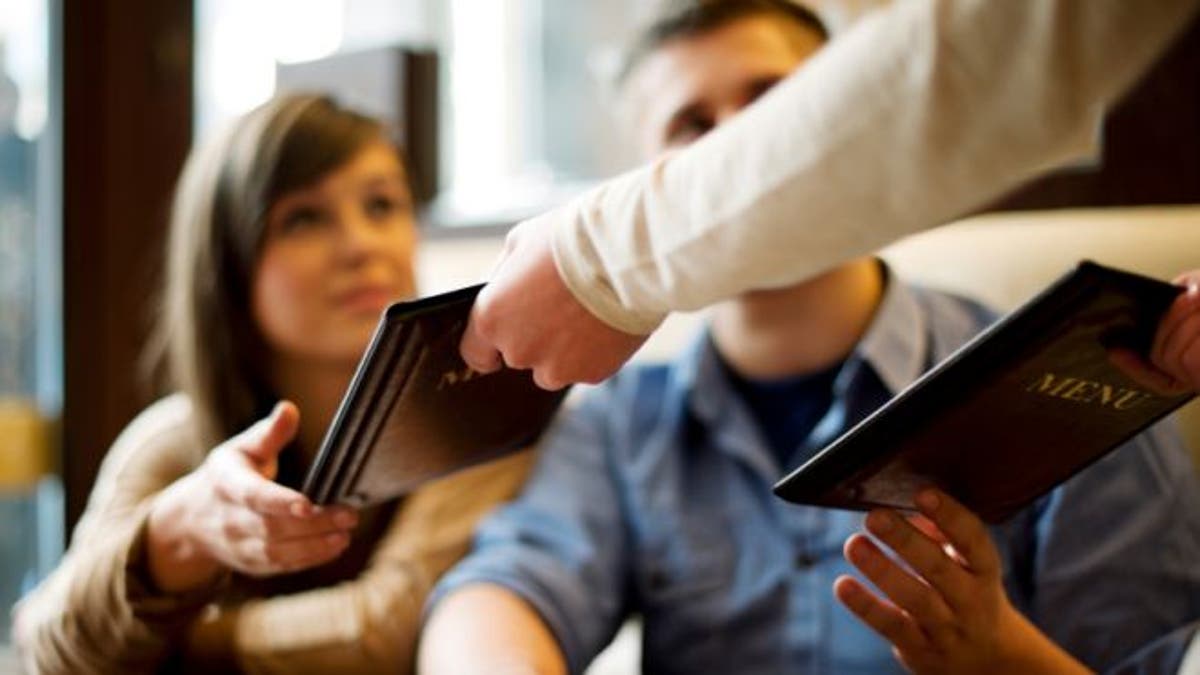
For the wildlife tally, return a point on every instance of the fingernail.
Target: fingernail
(345, 519)
(337, 539)
(299, 509)
(880, 522)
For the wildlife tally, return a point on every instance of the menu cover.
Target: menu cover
(1022, 407)
(415, 411)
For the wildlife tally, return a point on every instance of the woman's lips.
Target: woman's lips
(368, 299)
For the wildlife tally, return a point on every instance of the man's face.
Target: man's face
(690, 85)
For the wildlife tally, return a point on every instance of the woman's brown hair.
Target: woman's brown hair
(206, 344)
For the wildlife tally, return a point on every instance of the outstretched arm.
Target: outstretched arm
(921, 113)
(369, 624)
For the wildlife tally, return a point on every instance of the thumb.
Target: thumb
(1144, 373)
(263, 441)
(1189, 280)
(476, 349)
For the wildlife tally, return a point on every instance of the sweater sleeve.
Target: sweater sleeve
(369, 624)
(921, 112)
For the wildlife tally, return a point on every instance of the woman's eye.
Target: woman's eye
(301, 219)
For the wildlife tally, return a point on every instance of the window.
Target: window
(525, 117)
(523, 121)
(30, 316)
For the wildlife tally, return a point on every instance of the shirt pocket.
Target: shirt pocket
(685, 566)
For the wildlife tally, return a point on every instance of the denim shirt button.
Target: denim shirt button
(658, 579)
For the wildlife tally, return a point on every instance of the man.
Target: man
(653, 497)
(921, 113)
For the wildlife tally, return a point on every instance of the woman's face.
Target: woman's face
(334, 255)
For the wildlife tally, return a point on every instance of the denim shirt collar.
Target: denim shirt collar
(896, 346)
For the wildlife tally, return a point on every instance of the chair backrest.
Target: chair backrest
(1003, 259)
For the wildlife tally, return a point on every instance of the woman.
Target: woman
(290, 233)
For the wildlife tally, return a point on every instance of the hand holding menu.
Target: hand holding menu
(414, 411)
(1022, 407)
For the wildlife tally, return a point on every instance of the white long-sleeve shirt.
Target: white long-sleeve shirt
(921, 112)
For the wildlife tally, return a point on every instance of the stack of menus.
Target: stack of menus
(414, 410)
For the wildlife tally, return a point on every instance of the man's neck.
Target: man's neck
(316, 389)
(799, 329)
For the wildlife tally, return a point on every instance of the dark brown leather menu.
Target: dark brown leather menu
(1022, 407)
(414, 410)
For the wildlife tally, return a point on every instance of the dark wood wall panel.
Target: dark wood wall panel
(1151, 151)
(127, 78)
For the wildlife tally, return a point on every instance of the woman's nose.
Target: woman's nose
(360, 235)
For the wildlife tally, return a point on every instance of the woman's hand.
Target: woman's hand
(230, 514)
(947, 613)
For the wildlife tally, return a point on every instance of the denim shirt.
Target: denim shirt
(653, 497)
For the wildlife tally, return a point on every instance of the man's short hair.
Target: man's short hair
(689, 18)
